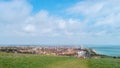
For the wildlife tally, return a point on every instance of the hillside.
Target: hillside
(9, 60)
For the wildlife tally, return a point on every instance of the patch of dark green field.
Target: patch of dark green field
(42, 61)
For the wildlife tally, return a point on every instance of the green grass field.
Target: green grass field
(38, 61)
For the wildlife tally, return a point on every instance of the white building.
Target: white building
(81, 54)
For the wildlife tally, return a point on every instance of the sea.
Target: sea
(107, 50)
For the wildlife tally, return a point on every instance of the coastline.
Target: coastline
(108, 50)
(66, 50)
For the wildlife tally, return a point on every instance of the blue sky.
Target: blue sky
(60, 22)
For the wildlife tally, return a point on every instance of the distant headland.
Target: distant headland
(79, 52)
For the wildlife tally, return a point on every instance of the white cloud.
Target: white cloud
(14, 11)
(110, 20)
(47, 30)
(29, 28)
(88, 21)
(98, 14)
(68, 33)
(62, 24)
(100, 33)
(17, 16)
(86, 8)
(47, 24)
(39, 24)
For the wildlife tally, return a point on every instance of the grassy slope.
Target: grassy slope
(104, 63)
(37, 61)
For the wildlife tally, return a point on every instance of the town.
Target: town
(79, 52)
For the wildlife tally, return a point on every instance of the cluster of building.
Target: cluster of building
(57, 51)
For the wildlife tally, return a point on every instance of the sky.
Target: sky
(60, 22)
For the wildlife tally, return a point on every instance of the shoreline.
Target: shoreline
(53, 50)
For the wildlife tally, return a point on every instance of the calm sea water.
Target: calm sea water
(108, 50)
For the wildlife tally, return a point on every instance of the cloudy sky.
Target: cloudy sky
(56, 22)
